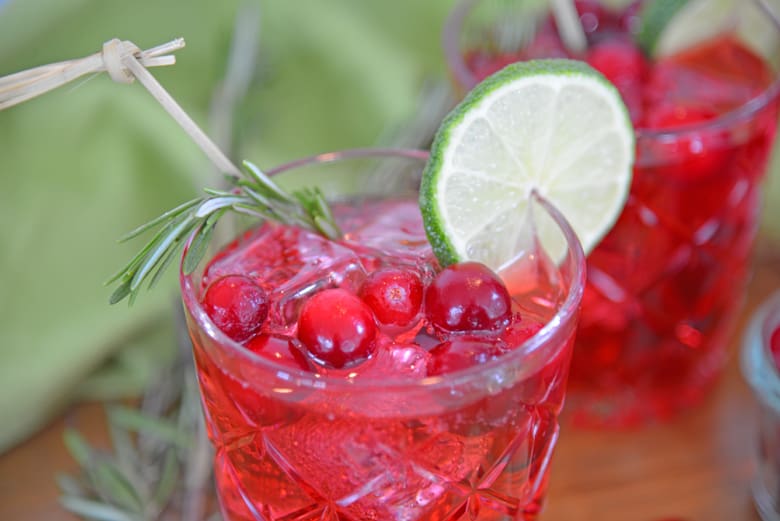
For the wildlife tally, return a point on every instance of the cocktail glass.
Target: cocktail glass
(474, 444)
(761, 370)
(666, 284)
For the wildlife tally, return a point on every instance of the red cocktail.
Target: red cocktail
(664, 286)
(377, 386)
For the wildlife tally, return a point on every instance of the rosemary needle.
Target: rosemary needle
(254, 194)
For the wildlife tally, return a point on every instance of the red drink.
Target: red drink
(435, 418)
(665, 285)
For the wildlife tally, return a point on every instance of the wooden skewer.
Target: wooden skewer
(124, 62)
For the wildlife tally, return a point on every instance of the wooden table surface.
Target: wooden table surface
(696, 468)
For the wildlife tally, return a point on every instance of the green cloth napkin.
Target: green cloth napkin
(82, 165)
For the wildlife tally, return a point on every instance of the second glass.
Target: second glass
(666, 284)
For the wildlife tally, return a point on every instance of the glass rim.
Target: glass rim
(566, 312)
(758, 365)
(461, 73)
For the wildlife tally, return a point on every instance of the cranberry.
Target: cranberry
(624, 65)
(283, 350)
(394, 295)
(337, 328)
(468, 297)
(237, 305)
(774, 345)
(461, 353)
(691, 154)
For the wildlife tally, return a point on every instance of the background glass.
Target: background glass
(666, 284)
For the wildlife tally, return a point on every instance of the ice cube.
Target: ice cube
(324, 264)
(269, 254)
(394, 233)
(397, 361)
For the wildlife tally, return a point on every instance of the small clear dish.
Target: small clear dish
(760, 368)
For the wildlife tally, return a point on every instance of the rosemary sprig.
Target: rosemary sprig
(254, 194)
(159, 467)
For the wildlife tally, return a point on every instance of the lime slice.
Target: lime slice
(556, 127)
(669, 26)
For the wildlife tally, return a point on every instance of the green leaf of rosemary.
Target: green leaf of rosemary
(200, 242)
(77, 446)
(136, 421)
(95, 510)
(254, 194)
(159, 464)
(168, 477)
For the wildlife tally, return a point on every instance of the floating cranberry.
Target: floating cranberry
(337, 328)
(237, 305)
(460, 353)
(468, 297)
(394, 295)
